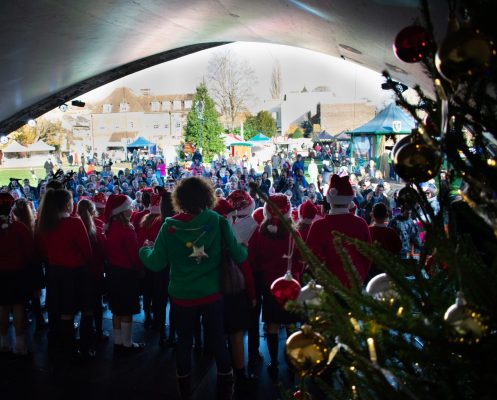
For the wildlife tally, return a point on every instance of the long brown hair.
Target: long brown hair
(55, 202)
(23, 213)
(86, 210)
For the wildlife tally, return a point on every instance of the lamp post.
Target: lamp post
(200, 116)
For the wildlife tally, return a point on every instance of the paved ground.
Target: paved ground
(146, 375)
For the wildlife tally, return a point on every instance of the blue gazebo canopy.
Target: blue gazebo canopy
(389, 121)
(140, 142)
(259, 138)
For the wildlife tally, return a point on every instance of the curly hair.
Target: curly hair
(193, 195)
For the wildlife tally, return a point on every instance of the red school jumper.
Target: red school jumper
(320, 241)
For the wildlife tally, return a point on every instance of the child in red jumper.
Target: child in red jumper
(268, 255)
(121, 248)
(16, 254)
(65, 246)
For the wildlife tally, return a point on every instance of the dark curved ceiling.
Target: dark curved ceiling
(54, 50)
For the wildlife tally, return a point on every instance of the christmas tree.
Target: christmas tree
(427, 328)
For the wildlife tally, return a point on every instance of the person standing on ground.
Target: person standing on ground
(121, 249)
(16, 255)
(339, 219)
(190, 243)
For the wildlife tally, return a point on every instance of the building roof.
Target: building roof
(40, 145)
(15, 147)
(389, 121)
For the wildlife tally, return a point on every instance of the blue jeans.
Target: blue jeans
(212, 317)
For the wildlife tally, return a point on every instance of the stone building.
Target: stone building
(123, 116)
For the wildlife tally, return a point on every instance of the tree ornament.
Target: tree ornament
(399, 144)
(300, 395)
(307, 352)
(465, 323)
(310, 294)
(412, 44)
(432, 127)
(381, 288)
(417, 161)
(285, 288)
(465, 53)
(198, 253)
(407, 196)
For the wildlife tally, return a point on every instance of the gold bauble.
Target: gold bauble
(464, 54)
(307, 352)
(416, 161)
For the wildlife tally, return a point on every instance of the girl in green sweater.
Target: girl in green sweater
(190, 243)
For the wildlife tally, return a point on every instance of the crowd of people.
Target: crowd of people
(146, 236)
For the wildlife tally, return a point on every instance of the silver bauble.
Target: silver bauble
(381, 288)
(310, 294)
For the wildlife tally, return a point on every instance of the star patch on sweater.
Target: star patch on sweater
(198, 253)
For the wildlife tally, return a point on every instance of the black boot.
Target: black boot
(87, 337)
(272, 346)
(184, 387)
(225, 386)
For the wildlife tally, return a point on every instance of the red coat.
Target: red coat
(121, 247)
(149, 233)
(17, 247)
(266, 256)
(320, 241)
(67, 245)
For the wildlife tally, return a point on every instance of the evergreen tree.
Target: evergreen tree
(263, 123)
(205, 133)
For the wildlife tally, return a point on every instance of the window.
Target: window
(177, 105)
(166, 125)
(178, 124)
(131, 124)
(155, 105)
(116, 124)
(188, 104)
(124, 107)
(107, 108)
(156, 125)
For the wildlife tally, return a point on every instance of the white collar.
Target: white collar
(339, 211)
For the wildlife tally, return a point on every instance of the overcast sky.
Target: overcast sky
(347, 81)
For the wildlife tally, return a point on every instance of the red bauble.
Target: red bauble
(412, 44)
(285, 288)
(298, 395)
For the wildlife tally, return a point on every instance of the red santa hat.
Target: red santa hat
(116, 203)
(99, 200)
(307, 212)
(340, 191)
(223, 207)
(155, 203)
(283, 203)
(147, 189)
(258, 215)
(242, 203)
